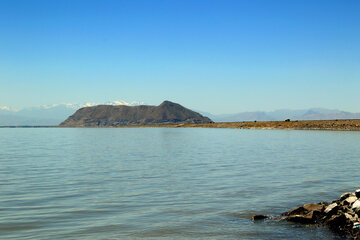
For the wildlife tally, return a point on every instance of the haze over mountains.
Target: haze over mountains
(281, 115)
(48, 115)
(52, 115)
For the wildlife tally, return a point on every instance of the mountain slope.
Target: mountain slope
(106, 115)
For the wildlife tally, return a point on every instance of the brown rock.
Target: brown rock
(302, 218)
(295, 211)
(340, 216)
(314, 207)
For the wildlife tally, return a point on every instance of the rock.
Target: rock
(350, 217)
(259, 217)
(357, 211)
(343, 225)
(314, 207)
(351, 212)
(337, 222)
(308, 213)
(295, 211)
(357, 193)
(341, 216)
(346, 195)
(356, 204)
(302, 218)
(350, 200)
(331, 208)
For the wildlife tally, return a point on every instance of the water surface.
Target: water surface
(163, 183)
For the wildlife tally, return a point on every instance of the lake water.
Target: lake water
(168, 183)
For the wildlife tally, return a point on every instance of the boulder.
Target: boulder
(350, 200)
(331, 208)
(295, 211)
(357, 193)
(346, 195)
(314, 207)
(308, 213)
(259, 217)
(337, 222)
(302, 218)
(350, 217)
(356, 204)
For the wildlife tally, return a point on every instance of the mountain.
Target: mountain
(106, 115)
(47, 115)
(53, 115)
(245, 116)
(281, 115)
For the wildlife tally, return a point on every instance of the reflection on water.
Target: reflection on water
(168, 183)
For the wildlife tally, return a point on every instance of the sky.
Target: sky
(215, 56)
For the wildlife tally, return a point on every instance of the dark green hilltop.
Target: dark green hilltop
(108, 115)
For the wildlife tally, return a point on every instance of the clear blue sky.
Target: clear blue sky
(215, 56)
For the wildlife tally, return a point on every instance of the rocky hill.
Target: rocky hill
(107, 116)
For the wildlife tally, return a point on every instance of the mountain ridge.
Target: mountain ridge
(107, 115)
(282, 114)
(53, 115)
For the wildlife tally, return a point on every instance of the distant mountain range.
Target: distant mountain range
(52, 115)
(48, 115)
(281, 115)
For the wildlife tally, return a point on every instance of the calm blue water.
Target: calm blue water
(161, 183)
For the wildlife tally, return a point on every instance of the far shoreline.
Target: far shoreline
(331, 125)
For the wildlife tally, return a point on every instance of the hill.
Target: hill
(107, 115)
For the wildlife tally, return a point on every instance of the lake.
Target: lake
(168, 183)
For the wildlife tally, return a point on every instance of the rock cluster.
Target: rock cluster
(342, 216)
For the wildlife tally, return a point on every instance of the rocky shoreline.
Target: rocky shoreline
(340, 125)
(333, 125)
(341, 215)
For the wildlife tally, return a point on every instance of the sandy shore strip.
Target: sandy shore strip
(343, 125)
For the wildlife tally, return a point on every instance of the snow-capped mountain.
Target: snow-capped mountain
(48, 115)
(5, 108)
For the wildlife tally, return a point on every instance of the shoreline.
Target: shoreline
(338, 125)
(331, 125)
